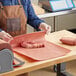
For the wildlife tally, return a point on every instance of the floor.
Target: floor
(71, 68)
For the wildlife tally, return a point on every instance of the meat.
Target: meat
(32, 44)
(68, 40)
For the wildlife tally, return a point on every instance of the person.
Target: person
(15, 14)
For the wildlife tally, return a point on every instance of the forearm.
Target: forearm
(35, 23)
(33, 20)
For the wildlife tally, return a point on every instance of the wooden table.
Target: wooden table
(31, 66)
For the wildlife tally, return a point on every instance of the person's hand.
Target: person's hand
(5, 36)
(45, 27)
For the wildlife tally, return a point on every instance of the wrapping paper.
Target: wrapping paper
(50, 50)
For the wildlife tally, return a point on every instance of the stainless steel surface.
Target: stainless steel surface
(51, 14)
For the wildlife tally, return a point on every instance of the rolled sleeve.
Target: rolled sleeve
(33, 20)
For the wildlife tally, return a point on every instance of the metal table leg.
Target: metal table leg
(60, 73)
(58, 70)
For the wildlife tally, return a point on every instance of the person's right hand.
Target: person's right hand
(5, 36)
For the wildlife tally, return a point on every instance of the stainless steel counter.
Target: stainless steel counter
(51, 14)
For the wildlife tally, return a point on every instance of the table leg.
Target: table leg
(60, 73)
(62, 68)
(58, 69)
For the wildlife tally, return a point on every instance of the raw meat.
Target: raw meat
(68, 40)
(32, 44)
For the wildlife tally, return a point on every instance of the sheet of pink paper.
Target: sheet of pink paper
(50, 50)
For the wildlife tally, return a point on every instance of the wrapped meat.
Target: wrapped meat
(31, 45)
(68, 40)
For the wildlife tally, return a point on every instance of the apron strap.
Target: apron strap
(19, 2)
(1, 6)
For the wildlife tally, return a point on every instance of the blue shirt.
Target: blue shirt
(32, 19)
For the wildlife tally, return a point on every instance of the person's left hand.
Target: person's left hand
(5, 36)
(45, 27)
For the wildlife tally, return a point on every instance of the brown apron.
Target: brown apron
(13, 19)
